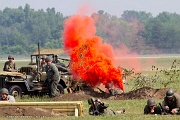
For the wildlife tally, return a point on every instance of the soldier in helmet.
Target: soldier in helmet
(152, 108)
(55, 59)
(53, 77)
(171, 102)
(10, 65)
(5, 97)
(97, 107)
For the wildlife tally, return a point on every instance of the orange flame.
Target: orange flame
(91, 60)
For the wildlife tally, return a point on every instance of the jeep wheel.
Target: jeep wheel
(61, 89)
(15, 91)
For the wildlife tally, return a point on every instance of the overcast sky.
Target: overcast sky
(112, 7)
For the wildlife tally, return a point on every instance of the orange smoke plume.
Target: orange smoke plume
(91, 60)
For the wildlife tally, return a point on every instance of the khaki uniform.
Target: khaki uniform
(53, 79)
(174, 103)
(9, 66)
(157, 110)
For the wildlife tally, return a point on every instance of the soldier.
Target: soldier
(97, 107)
(152, 108)
(53, 77)
(5, 97)
(55, 59)
(10, 65)
(171, 103)
(43, 63)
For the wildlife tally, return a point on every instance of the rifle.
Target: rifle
(96, 112)
(163, 110)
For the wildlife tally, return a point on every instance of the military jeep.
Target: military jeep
(29, 80)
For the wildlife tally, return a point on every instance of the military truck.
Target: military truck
(28, 80)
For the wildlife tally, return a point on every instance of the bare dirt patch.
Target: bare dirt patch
(24, 111)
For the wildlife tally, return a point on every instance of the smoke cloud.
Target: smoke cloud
(91, 60)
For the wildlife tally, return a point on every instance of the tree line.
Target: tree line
(22, 28)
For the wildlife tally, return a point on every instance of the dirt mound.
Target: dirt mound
(142, 93)
(28, 112)
(25, 111)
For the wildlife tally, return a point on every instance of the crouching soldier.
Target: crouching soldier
(5, 97)
(152, 108)
(97, 107)
(171, 103)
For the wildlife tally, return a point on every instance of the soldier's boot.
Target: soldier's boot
(121, 111)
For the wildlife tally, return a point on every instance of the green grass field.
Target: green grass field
(134, 108)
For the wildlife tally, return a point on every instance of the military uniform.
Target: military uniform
(9, 66)
(42, 67)
(43, 64)
(10, 98)
(157, 110)
(53, 79)
(102, 109)
(7, 97)
(56, 61)
(172, 104)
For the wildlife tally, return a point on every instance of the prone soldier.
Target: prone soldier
(5, 97)
(171, 103)
(152, 108)
(97, 107)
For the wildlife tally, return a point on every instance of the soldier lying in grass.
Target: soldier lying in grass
(97, 107)
(152, 108)
(171, 103)
(5, 97)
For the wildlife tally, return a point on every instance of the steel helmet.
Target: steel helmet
(43, 57)
(170, 93)
(48, 59)
(10, 57)
(151, 102)
(4, 91)
(90, 100)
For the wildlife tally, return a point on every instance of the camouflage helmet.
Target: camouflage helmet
(4, 91)
(10, 57)
(90, 100)
(43, 57)
(48, 59)
(169, 93)
(151, 102)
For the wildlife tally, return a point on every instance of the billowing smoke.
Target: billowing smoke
(91, 60)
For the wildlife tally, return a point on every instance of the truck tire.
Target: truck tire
(61, 89)
(15, 91)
